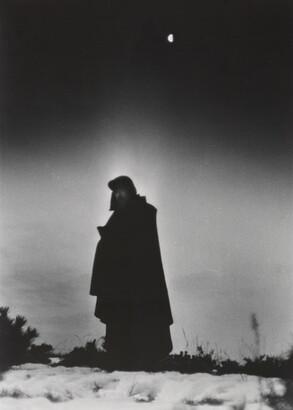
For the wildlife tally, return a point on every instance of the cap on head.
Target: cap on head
(122, 181)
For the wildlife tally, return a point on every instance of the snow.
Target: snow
(54, 360)
(44, 387)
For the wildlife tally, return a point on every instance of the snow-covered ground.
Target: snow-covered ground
(41, 387)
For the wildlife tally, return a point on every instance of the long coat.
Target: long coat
(128, 277)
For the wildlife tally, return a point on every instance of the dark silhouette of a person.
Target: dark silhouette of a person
(128, 280)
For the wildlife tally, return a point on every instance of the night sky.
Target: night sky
(91, 90)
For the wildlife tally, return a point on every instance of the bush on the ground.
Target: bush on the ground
(16, 342)
(88, 355)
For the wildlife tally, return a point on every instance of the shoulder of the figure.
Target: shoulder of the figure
(143, 210)
(147, 207)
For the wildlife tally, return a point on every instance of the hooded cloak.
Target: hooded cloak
(128, 280)
(128, 277)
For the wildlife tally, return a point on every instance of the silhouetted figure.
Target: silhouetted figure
(128, 280)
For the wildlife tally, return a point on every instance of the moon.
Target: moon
(170, 38)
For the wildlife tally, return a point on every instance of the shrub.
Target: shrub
(88, 355)
(40, 353)
(16, 342)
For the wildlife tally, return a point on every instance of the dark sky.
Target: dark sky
(69, 62)
(93, 89)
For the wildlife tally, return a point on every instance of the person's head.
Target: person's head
(123, 191)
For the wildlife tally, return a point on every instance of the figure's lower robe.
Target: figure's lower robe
(135, 334)
(138, 342)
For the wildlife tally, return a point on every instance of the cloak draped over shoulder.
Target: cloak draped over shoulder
(128, 277)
